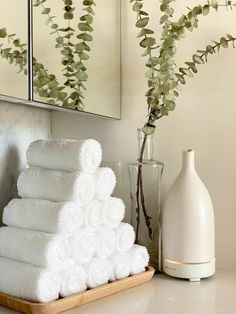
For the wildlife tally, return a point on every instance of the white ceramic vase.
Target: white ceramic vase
(188, 228)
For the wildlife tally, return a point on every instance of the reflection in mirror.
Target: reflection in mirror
(13, 48)
(76, 54)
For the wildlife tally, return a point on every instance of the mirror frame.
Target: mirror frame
(30, 101)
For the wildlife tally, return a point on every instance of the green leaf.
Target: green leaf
(214, 4)
(142, 22)
(143, 13)
(205, 9)
(68, 16)
(46, 11)
(224, 42)
(85, 27)
(137, 7)
(82, 46)
(148, 42)
(197, 59)
(85, 37)
(148, 129)
(145, 31)
(89, 2)
(87, 18)
(3, 32)
(210, 49)
(89, 10)
(83, 56)
(59, 40)
(180, 78)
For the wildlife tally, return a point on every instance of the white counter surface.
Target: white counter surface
(166, 295)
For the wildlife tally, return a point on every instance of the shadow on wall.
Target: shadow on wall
(10, 171)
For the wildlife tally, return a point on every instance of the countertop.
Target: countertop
(166, 295)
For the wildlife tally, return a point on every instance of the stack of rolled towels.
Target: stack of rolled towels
(65, 234)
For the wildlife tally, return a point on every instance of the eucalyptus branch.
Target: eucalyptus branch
(201, 57)
(81, 49)
(189, 21)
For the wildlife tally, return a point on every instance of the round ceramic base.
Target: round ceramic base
(191, 271)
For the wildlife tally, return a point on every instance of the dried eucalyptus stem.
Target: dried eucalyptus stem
(163, 79)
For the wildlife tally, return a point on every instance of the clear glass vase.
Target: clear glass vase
(145, 185)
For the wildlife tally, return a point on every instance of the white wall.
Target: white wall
(19, 126)
(205, 119)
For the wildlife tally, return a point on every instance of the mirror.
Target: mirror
(76, 55)
(13, 48)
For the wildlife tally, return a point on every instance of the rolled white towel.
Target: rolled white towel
(73, 281)
(82, 245)
(105, 180)
(120, 266)
(35, 247)
(98, 272)
(28, 282)
(70, 155)
(105, 242)
(139, 259)
(43, 215)
(113, 212)
(92, 215)
(125, 237)
(55, 185)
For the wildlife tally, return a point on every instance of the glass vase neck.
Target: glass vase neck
(147, 150)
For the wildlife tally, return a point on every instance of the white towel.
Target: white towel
(105, 183)
(92, 215)
(28, 282)
(82, 245)
(105, 242)
(42, 215)
(62, 154)
(98, 272)
(125, 237)
(35, 247)
(113, 212)
(139, 259)
(55, 185)
(73, 280)
(120, 266)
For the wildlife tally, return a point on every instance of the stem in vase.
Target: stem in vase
(140, 195)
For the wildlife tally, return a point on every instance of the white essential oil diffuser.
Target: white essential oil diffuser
(188, 239)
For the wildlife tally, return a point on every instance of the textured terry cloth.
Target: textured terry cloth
(35, 247)
(28, 282)
(120, 266)
(62, 154)
(56, 185)
(73, 280)
(105, 242)
(98, 272)
(92, 215)
(43, 215)
(139, 259)
(105, 181)
(125, 237)
(113, 212)
(82, 245)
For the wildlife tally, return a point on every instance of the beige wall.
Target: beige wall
(19, 126)
(205, 119)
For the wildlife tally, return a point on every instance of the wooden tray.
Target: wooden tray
(76, 300)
